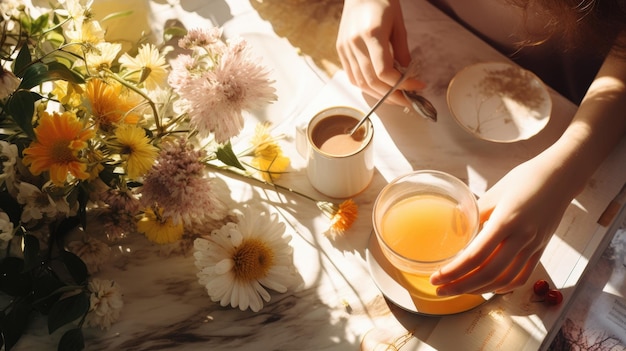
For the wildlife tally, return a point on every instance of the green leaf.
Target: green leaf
(12, 280)
(76, 267)
(11, 207)
(72, 340)
(21, 107)
(228, 157)
(55, 39)
(40, 23)
(67, 310)
(26, 22)
(63, 227)
(116, 15)
(173, 32)
(58, 70)
(15, 322)
(38, 73)
(46, 292)
(33, 75)
(22, 60)
(32, 259)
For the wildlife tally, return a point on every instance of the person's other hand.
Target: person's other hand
(522, 211)
(371, 36)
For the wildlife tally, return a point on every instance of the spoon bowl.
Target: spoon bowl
(418, 102)
(421, 105)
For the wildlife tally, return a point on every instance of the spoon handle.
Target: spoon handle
(403, 77)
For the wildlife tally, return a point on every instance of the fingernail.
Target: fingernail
(445, 292)
(435, 279)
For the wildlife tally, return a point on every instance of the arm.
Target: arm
(371, 36)
(525, 207)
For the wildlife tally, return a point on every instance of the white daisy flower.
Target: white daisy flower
(240, 261)
(36, 203)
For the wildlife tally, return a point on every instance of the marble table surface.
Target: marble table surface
(338, 304)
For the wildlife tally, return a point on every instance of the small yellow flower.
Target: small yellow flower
(95, 160)
(60, 138)
(90, 32)
(148, 67)
(135, 149)
(68, 94)
(341, 217)
(268, 156)
(158, 229)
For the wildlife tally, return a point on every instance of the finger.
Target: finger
(381, 56)
(510, 277)
(498, 272)
(346, 50)
(471, 258)
(413, 84)
(523, 275)
(399, 40)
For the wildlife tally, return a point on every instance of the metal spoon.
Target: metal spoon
(403, 77)
(421, 105)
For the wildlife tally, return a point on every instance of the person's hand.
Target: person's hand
(371, 36)
(522, 211)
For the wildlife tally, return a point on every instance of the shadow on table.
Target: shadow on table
(217, 11)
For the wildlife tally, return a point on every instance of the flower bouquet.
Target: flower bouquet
(132, 137)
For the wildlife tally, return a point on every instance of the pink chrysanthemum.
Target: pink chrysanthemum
(178, 184)
(218, 97)
(181, 75)
(121, 200)
(209, 38)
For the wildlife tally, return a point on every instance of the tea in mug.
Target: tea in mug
(331, 135)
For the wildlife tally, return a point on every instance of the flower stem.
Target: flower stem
(233, 172)
(157, 120)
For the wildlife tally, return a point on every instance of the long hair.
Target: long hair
(577, 23)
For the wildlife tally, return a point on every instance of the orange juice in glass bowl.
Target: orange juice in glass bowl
(422, 220)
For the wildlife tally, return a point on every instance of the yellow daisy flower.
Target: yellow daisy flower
(268, 156)
(60, 138)
(136, 149)
(111, 103)
(102, 55)
(148, 67)
(158, 229)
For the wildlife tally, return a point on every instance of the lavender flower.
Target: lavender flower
(178, 184)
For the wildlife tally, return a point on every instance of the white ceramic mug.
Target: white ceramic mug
(342, 174)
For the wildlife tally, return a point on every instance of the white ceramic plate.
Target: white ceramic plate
(388, 280)
(499, 102)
